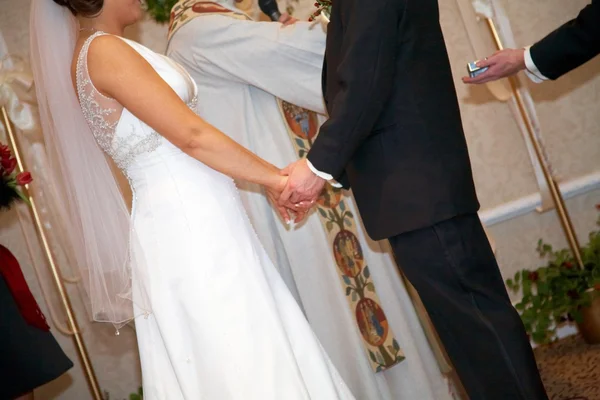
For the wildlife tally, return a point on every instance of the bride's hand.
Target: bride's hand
(287, 212)
(298, 211)
(274, 192)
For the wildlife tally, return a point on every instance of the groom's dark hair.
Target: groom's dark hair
(85, 8)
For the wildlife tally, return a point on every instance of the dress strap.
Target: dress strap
(83, 76)
(101, 112)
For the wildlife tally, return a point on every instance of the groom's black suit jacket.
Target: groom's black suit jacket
(571, 45)
(395, 133)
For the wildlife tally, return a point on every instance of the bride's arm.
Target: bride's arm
(119, 72)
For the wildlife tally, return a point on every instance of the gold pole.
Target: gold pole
(81, 348)
(557, 198)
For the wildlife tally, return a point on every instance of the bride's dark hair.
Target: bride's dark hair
(85, 8)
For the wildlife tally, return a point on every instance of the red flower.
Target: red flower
(598, 206)
(8, 165)
(4, 152)
(24, 178)
(568, 265)
(533, 276)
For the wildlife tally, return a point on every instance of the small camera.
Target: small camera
(474, 70)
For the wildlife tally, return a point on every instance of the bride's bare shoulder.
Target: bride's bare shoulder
(110, 59)
(108, 49)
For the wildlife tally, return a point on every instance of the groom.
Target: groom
(395, 136)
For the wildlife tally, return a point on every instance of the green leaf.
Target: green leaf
(348, 291)
(322, 212)
(23, 197)
(300, 143)
(349, 214)
(396, 345)
(342, 206)
(371, 287)
(348, 223)
(577, 316)
(346, 280)
(539, 337)
(526, 287)
(302, 153)
(354, 296)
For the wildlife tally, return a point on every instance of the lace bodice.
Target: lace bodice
(120, 134)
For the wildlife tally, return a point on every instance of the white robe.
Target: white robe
(240, 68)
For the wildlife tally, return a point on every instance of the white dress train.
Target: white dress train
(223, 323)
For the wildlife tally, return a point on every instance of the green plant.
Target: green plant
(556, 292)
(137, 396)
(160, 10)
(133, 396)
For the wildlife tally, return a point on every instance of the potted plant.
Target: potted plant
(560, 291)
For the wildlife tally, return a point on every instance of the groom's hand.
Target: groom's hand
(302, 189)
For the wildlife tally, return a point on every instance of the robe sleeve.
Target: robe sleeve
(285, 61)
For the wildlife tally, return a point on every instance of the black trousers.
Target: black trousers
(452, 266)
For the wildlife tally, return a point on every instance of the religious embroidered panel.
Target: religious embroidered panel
(352, 267)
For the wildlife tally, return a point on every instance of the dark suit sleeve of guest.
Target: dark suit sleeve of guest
(365, 75)
(571, 45)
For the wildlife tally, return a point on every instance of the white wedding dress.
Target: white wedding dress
(223, 323)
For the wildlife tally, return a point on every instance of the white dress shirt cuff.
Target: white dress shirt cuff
(323, 175)
(532, 70)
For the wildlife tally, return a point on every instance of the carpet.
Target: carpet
(570, 369)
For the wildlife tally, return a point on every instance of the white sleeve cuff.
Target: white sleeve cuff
(532, 71)
(323, 175)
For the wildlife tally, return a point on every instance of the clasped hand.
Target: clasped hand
(298, 192)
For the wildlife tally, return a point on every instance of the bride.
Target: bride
(214, 320)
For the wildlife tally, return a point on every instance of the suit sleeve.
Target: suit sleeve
(571, 45)
(365, 74)
(285, 61)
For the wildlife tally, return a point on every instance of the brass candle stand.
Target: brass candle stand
(557, 199)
